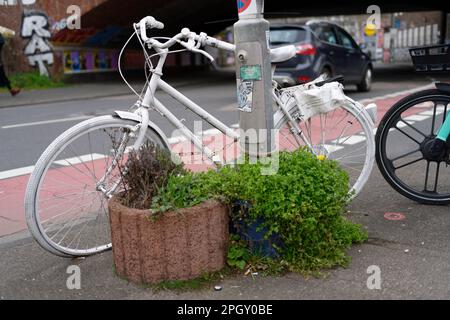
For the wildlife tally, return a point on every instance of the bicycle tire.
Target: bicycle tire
(383, 162)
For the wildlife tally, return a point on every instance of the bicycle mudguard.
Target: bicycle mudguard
(134, 117)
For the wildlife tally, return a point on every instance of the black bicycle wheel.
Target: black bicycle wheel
(402, 139)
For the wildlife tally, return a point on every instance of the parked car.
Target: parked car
(322, 48)
(374, 53)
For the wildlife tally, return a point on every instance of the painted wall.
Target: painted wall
(36, 22)
(35, 29)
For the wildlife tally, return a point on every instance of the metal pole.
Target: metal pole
(254, 78)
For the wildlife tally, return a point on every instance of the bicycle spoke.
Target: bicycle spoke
(437, 177)
(426, 176)
(92, 157)
(82, 162)
(434, 118)
(415, 129)
(408, 164)
(81, 230)
(407, 135)
(405, 155)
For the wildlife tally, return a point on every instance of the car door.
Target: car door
(334, 53)
(354, 62)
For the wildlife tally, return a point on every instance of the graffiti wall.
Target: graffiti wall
(35, 28)
(44, 29)
(85, 60)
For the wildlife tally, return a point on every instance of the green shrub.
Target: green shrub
(145, 171)
(33, 80)
(304, 203)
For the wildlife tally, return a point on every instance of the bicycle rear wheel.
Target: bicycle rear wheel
(401, 142)
(66, 199)
(343, 134)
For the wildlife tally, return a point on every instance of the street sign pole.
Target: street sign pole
(254, 79)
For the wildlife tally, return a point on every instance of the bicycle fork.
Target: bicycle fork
(444, 131)
(121, 149)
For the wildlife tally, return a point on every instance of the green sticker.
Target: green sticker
(251, 73)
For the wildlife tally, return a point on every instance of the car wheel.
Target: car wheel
(366, 82)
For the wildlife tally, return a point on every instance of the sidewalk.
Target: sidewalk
(93, 90)
(413, 255)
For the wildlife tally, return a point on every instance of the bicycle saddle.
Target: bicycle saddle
(282, 54)
(442, 86)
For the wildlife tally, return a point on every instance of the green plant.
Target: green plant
(187, 190)
(144, 172)
(33, 80)
(238, 253)
(304, 203)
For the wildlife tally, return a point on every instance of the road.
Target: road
(415, 250)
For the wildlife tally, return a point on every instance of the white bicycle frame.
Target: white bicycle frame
(149, 101)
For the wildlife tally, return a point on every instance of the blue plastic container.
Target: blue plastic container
(254, 233)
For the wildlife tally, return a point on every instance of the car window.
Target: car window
(279, 36)
(326, 34)
(346, 40)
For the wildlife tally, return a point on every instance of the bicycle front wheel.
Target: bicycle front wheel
(402, 139)
(66, 198)
(344, 134)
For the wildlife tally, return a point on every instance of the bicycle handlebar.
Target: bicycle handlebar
(193, 43)
(151, 23)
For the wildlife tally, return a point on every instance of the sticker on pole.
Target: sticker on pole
(250, 73)
(243, 5)
(246, 7)
(245, 95)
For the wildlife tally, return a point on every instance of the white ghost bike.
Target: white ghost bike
(67, 194)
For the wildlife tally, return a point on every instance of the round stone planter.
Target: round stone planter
(178, 245)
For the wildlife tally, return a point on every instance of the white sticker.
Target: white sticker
(245, 95)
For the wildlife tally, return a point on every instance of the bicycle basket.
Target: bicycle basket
(431, 58)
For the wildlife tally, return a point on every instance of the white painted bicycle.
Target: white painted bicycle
(67, 194)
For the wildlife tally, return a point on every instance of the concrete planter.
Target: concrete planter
(178, 245)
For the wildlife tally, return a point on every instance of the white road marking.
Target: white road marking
(209, 132)
(38, 123)
(427, 113)
(416, 117)
(65, 163)
(353, 139)
(177, 139)
(332, 148)
(16, 172)
(80, 159)
(396, 94)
